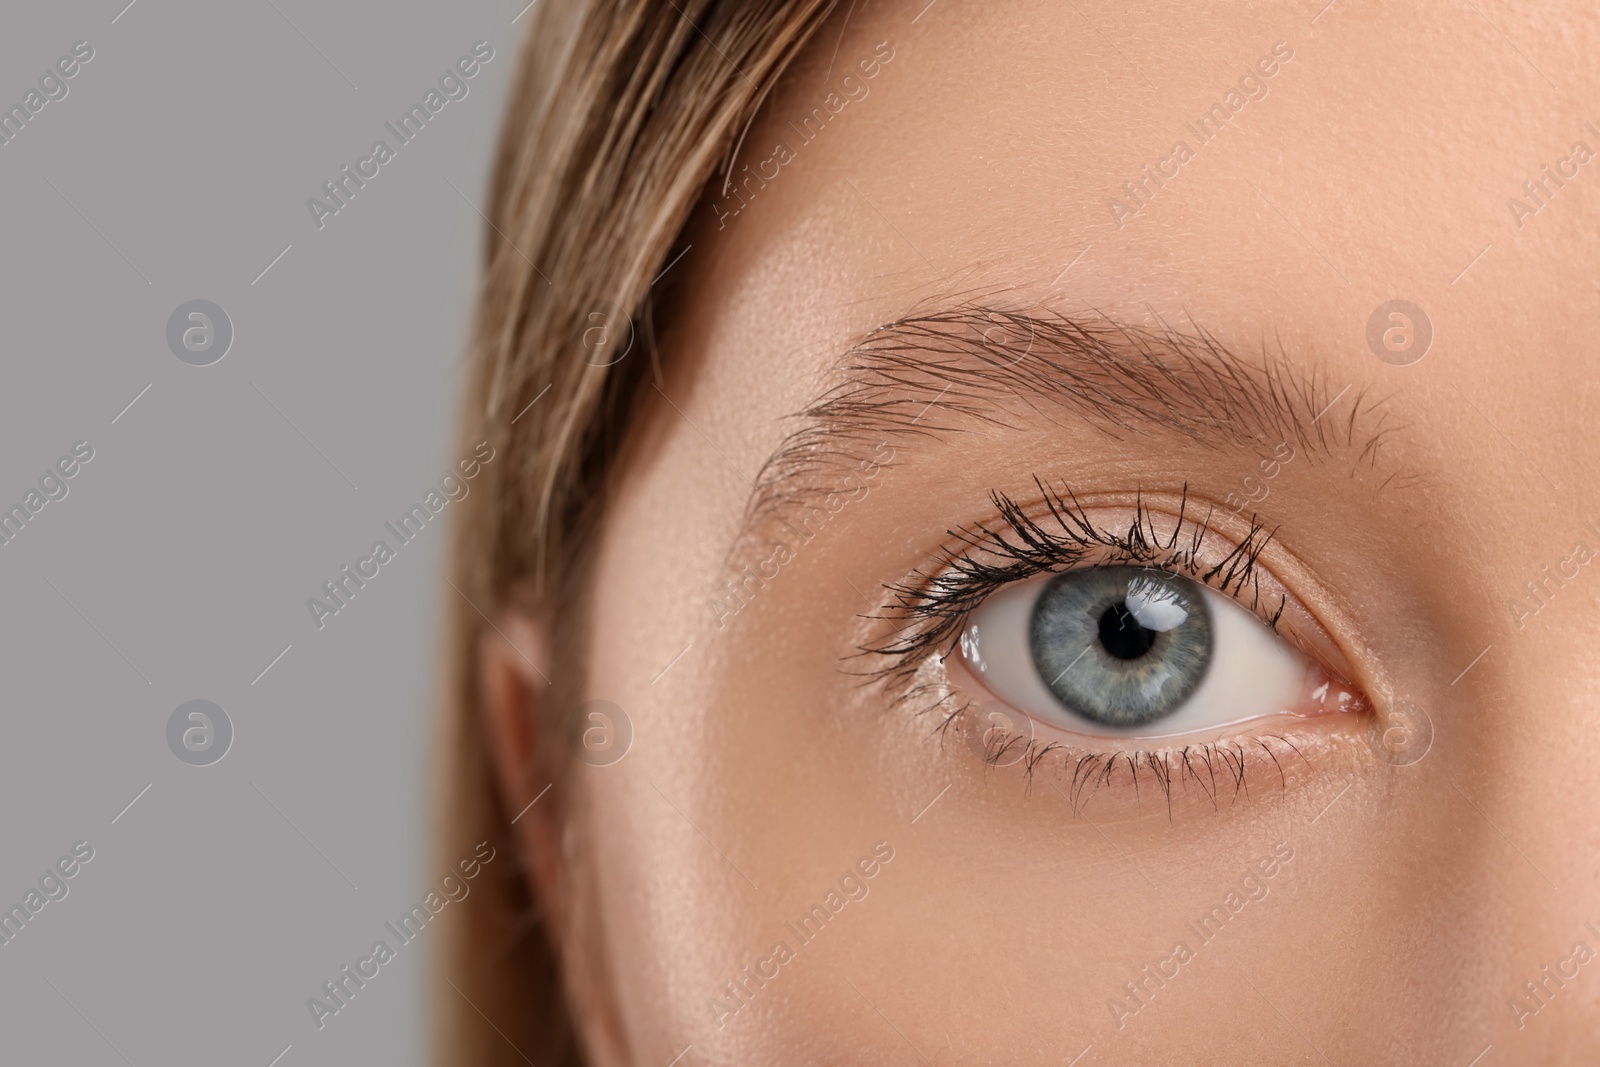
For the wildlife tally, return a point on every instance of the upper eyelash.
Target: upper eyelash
(933, 607)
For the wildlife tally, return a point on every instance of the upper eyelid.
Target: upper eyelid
(923, 597)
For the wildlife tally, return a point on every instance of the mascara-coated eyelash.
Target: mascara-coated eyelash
(931, 607)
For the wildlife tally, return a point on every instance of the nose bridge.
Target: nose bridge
(1520, 729)
(1558, 590)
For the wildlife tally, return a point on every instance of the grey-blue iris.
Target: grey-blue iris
(1120, 646)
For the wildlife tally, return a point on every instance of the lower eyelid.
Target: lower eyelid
(1203, 770)
(1329, 737)
(1325, 717)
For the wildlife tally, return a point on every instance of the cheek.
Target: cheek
(665, 894)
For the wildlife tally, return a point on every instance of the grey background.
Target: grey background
(183, 555)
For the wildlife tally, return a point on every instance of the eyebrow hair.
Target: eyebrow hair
(925, 374)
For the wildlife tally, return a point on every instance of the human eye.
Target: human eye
(1155, 642)
(1124, 651)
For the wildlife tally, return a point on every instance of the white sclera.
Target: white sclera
(1252, 674)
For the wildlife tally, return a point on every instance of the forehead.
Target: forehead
(1255, 169)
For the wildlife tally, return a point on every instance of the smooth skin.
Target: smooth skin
(1420, 898)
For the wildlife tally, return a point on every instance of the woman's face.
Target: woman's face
(1148, 263)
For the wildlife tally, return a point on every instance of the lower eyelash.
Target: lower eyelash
(1092, 768)
(1197, 763)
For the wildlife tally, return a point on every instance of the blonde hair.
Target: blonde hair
(620, 114)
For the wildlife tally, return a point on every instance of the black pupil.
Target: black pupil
(1122, 635)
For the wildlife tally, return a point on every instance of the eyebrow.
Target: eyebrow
(972, 365)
